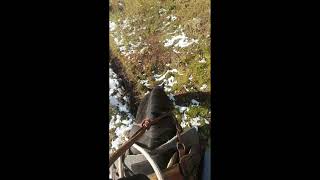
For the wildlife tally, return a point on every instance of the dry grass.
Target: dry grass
(194, 18)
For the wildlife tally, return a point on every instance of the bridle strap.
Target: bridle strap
(145, 125)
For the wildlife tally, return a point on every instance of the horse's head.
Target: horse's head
(153, 105)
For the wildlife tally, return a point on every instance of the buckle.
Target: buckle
(146, 123)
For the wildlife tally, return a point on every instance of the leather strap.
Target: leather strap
(171, 173)
(145, 125)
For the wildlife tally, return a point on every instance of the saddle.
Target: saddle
(157, 147)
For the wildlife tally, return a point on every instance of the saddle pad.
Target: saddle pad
(138, 163)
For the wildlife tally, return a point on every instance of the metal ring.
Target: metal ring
(182, 145)
(146, 123)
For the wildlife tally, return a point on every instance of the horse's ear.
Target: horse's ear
(161, 86)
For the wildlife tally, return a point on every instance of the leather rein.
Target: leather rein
(144, 126)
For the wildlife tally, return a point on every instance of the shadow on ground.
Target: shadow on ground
(185, 98)
(118, 68)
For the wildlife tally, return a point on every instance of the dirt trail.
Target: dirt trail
(128, 86)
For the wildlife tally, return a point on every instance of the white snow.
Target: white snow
(142, 50)
(195, 121)
(167, 89)
(172, 17)
(115, 92)
(118, 123)
(112, 124)
(115, 143)
(185, 87)
(179, 41)
(182, 108)
(171, 81)
(178, 29)
(145, 83)
(168, 23)
(183, 120)
(183, 124)
(132, 47)
(195, 103)
(160, 78)
(203, 87)
(132, 33)
(118, 42)
(166, 82)
(125, 24)
(174, 50)
(203, 60)
(112, 26)
(171, 97)
(122, 49)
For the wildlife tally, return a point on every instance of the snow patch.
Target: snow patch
(112, 26)
(118, 42)
(160, 78)
(145, 83)
(195, 121)
(122, 49)
(142, 50)
(179, 41)
(171, 17)
(185, 87)
(167, 83)
(125, 24)
(174, 50)
(195, 103)
(171, 97)
(203, 60)
(121, 122)
(168, 23)
(183, 110)
(203, 87)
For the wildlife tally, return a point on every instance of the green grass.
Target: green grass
(194, 18)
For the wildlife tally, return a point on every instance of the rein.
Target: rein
(144, 125)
